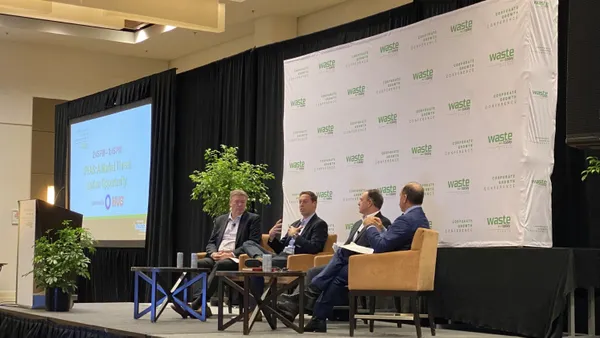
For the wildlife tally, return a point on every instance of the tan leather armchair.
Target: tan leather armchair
(401, 273)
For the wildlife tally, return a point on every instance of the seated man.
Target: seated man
(229, 233)
(369, 204)
(305, 236)
(333, 280)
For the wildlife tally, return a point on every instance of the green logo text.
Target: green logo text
(329, 64)
(388, 119)
(325, 130)
(355, 159)
(541, 93)
(357, 91)
(542, 183)
(390, 48)
(460, 184)
(423, 75)
(465, 26)
(389, 190)
(424, 150)
(503, 221)
(299, 165)
(503, 56)
(502, 138)
(298, 102)
(465, 104)
(325, 195)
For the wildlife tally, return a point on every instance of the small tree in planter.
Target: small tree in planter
(592, 169)
(58, 260)
(223, 173)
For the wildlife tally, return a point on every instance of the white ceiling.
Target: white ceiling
(239, 22)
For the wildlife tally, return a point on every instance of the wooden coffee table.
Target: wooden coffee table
(267, 302)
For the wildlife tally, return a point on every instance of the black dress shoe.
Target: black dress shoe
(316, 325)
(184, 314)
(295, 297)
(288, 309)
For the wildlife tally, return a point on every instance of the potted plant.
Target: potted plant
(58, 260)
(592, 169)
(223, 173)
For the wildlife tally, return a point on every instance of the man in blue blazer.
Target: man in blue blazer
(332, 282)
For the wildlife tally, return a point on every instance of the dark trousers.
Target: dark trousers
(333, 282)
(212, 283)
(255, 250)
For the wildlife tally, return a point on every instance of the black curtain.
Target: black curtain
(161, 89)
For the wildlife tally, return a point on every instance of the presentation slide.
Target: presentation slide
(110, 173)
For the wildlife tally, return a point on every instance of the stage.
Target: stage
(116, 320)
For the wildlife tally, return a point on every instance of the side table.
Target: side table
(159, 284)
(267, 302)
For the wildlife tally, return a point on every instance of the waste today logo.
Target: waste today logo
(296, 166)
(500, 222)
(540, 183)
(298, 103)
(387, 120)
(462, 27)
(424, 75)
(327, 130)
(355, 159)
(502, 57)
(504, 139)
(389, 49)
(389, 191)
(422, 151)
(540, 94)
(357, 92)
(460, 107)
(460, 185)
(326, 195)
(327, 66)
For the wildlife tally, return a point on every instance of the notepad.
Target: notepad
(357, 248)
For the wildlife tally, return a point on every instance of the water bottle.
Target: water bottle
(194, 260)
(180, 260)
(266, 263)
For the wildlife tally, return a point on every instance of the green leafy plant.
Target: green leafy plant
(59, 258)
(223, 173)
(592, 169)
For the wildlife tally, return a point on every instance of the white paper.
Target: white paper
(357, 248)
(235, 260)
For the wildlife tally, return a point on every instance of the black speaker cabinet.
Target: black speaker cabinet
(583, 71)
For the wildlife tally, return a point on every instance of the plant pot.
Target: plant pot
(57, 300)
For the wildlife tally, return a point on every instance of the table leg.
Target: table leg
(136, 295)
(153, 298)
(572, 314)
(591, 311)
(220, 305)
(301, 305)
(246, 305)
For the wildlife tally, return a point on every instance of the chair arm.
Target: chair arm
(201, 255)
(394, 271)
(242, 264)
(300, 262)
(321, 260)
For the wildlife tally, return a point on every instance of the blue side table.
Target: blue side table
(158, 284)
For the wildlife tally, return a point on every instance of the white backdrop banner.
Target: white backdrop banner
(463, 103)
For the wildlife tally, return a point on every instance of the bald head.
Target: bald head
(412, 194)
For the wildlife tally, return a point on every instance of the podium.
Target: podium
(36, 217)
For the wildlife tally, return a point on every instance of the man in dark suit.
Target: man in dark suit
(333, 280)
(369, 205)
(305, 236)
(230, 232)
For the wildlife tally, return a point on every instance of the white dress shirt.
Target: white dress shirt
(363, 225)
(230, 234)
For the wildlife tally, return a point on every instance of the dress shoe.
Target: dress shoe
(294, 298)
(289, 309)
(316, 325)
(184, 314)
